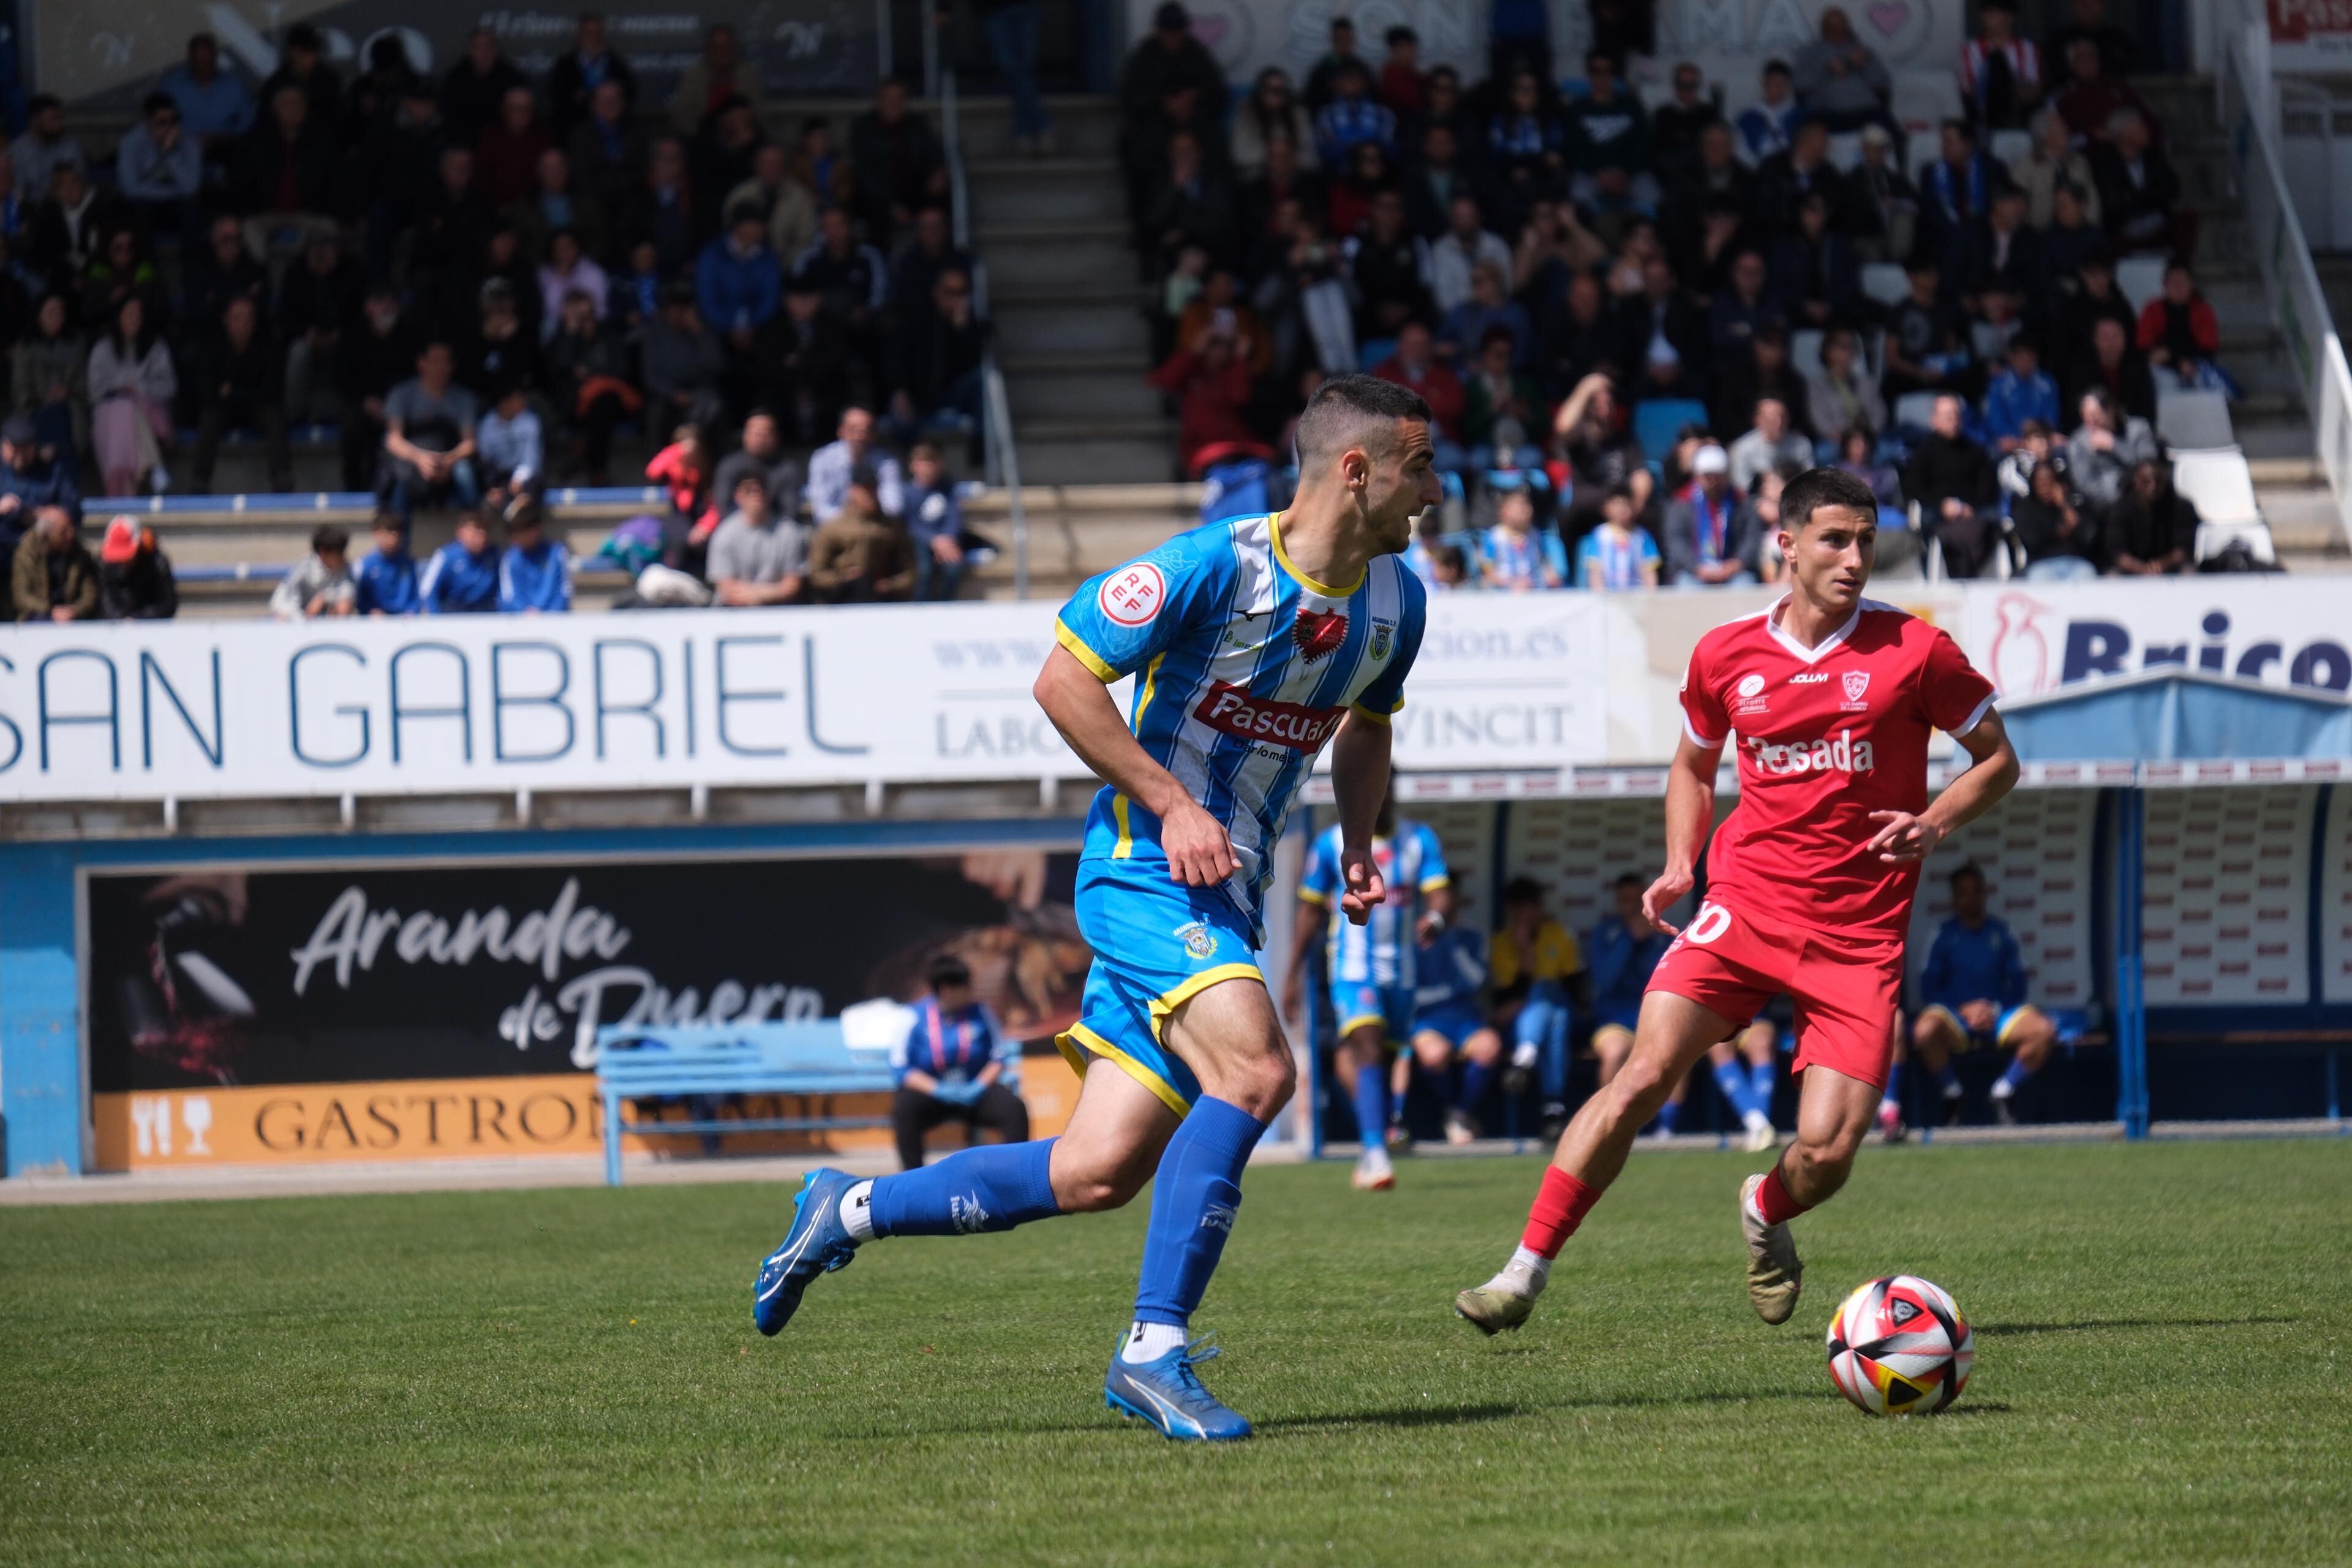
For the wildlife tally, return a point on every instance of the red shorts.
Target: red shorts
(1846, 990)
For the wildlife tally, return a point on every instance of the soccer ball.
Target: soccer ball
(1899, 1347)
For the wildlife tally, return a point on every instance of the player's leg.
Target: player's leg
(1611, 1044)
(912, 1114)
(1670, 1114)
(1757, 1044)
(2032, 1034)
(1360, 1061)
(1673, 1033)
(1431, 1052)
(1892, 1127)
(1482, 1053)
(1937, 1034)
(1401, 1075)
(1228, 1035)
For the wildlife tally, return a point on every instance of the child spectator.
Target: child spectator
(513, 452)
(1767, 127)
(1513, 557)
(758, 557)
(1617, 556)
(320, 585)
(134, 576)
(934, 525)
(385, 583)
(462, 577)
(1449, 570)
(535, 573)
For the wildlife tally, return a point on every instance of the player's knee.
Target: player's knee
(1636, 1090)
(1263, 1084)
(1924, 1029)
(1091, 1181)
(1831, 1152)
(1485, 1049)
(1431, 1051)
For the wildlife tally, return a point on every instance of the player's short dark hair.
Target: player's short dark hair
(1630, 879)
(1344, 404)
(946, 969)
(1965, 869)
(1817, 487)
(1522, 890)
(328, 540)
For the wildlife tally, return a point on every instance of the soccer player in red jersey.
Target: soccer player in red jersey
(1829, 699)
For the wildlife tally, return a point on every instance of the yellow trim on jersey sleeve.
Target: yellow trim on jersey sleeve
(1078, 1042)
(1431, 884)
(1360, 712)
(1094, 662)
(1274, 529)
(1150, 690)
(1309, 896)
(1124, 849)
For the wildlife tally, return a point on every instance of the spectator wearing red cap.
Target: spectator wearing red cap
(134, 575)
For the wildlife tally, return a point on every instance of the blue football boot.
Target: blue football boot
(1166, 1393)
(817, 1244)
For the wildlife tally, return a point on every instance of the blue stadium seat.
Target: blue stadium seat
(1659, 420)
(1370, 356)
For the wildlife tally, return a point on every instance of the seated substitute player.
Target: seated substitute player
(1973, 994)
(1745, 1085)
(1371, 967)
(1537, 970)
(1257, 640)
(1450, 1021)
(1833, 697)
(951, 1067)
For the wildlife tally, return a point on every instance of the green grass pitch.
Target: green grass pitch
(2164, 1374)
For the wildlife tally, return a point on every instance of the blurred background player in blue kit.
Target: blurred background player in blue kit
(1537, 968)
(1371, 968)
(1743, 1069)
(1450, 1021)
(953, 1065)
(1972, 993)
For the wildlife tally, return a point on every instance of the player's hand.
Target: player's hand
(1904, 837)
(1199, 854)
(1367, 889)
(1978, 1015)
(1668, 890)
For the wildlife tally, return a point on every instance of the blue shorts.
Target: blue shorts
(1625, 1015)
(1156, 943)
(1998, 1036)
(1355, 1003)
(1457, 1021)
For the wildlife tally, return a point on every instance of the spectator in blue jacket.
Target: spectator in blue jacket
(2018, 393)
(738, 281)
(28, 484)
(1352, 117)
(160, 169)
(385, 583)
(934, 520)
(535, 574)
(1769, 127)
(462, 577)
(1972, 993)
(952, 1066)
(214, 106)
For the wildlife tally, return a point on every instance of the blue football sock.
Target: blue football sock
(2017, 1074)
(1475, 1076)
(1667, 1115)
(1759, 1085)
(1372, 1103)
(1734, 1085)
(993, 1187)
(1894, 1082)
(1948, 1081)
(1193, 1200)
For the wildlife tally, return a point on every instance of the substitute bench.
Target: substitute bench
(809, 1059)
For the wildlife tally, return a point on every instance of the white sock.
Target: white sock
(1526, 1274)
(2002, 1089)
(857, 1212)
(1149, 1341)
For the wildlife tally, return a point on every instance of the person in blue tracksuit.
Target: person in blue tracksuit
(535, 573)
(1972, 993)
(462, 577)
(384, 584)
(956, 1064)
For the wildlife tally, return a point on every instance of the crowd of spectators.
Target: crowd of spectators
(477, 278)
(1562, 271)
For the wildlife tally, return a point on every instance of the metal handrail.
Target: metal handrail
(1003, 467)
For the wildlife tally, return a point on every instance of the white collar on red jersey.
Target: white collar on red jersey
(1829, 643)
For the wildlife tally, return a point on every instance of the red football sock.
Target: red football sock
(1773, 1199)
(1560, 1208)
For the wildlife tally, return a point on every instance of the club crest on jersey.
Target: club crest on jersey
(1319, 633)
(1198, 939)
(1855, 682)
(1384, 637)
(1131, 596)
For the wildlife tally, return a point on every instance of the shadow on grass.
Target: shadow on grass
(1465, 1415)
(2093, 1325)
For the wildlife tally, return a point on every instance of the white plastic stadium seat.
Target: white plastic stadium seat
(2140, 279)
(2009, 146)
(1924, 148)
(1915, 408)
(1885, 281)
(2212, 538)
(2194, 421)
(2220, 484)
(1845, 152)
(1805, 350)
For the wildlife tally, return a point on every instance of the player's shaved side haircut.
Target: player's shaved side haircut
(1818, 487)
(1355, 411)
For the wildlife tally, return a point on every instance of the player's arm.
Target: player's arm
(1360, 781)
(1991, 774)
(1306, 931)
(1080, 703)
(1690, 813)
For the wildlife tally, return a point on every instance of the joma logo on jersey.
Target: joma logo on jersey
(1233, 710)
(1811, 678)
(1845, 754)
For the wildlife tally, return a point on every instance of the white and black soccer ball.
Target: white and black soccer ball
(1898, 1346)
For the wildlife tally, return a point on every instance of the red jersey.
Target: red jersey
(1825, 737)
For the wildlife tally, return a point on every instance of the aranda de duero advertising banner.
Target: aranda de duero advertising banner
(392, 1012)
